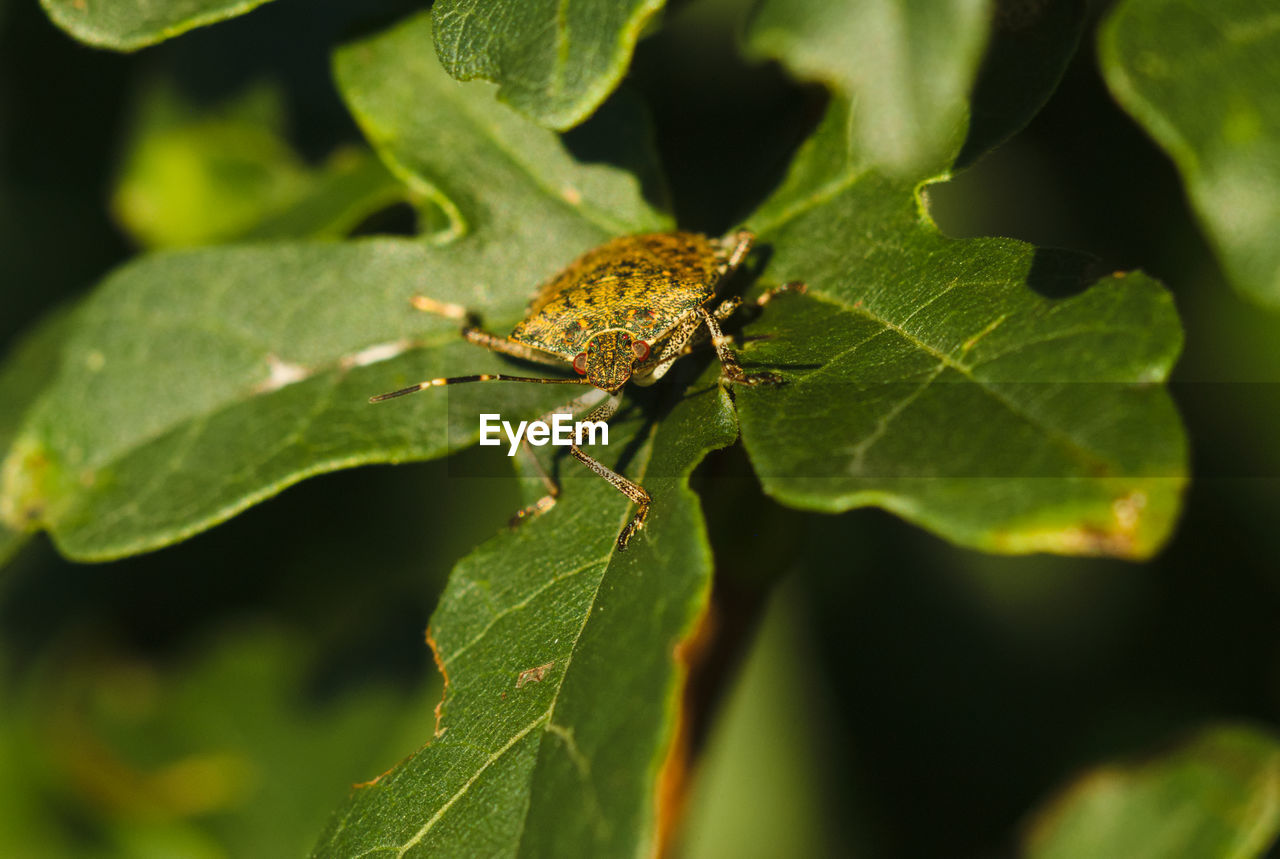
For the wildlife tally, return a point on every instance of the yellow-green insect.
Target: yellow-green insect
(625, 311)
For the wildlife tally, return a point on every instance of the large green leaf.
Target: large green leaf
(562, 686)
(1204, 80)
(196, 383)
(554, 61)
(950, 381)
(909, 66)
(126, 25)
(1217, 795)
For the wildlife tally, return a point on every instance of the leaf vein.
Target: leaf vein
(460, 792)
(524, 603)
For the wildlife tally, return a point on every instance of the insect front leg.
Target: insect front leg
(477, 335)
(632, 490)
(730, 305)
(505, 346)
(546, 502)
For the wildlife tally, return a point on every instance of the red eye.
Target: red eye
(580, 364)
(640, 349)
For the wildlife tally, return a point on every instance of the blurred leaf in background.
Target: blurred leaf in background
(127, 26)
(195, 176)
(1216, 795)
(188, 758)
(908, 68)
(1202, 81)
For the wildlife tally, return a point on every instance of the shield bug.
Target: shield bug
(625, 311)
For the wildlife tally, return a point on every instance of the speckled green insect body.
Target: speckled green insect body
(624, 311)
(620, 300)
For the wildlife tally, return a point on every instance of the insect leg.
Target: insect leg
(732, 370)
(795, 286)
(447, 309)
(727, 308)
(634, 491)
(742, 241)
(546, 502)
(474, 334)
(675, 345)
(730, 305)
(510, 347)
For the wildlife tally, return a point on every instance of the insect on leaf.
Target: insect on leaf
(196, 383)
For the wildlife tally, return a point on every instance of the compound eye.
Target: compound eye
(640, 349)
(580, 363)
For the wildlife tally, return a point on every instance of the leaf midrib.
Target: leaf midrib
(547, 716)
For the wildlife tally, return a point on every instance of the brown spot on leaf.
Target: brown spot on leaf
(534, 675)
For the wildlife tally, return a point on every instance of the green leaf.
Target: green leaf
(554, 61)
(126, 25)
(562, 689)
(447, 146)
(1204, 81)
(197, 383)
(952, 382)
(908, 65)
(1216, 795)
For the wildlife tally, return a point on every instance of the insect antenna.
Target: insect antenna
(481, 377)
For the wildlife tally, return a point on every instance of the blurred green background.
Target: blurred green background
(901, 697)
